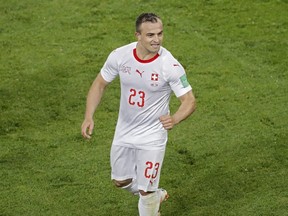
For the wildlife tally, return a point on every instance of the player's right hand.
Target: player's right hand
(87, 128)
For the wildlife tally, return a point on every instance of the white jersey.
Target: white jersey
(146, 86)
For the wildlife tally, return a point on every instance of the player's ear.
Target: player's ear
(137, 35)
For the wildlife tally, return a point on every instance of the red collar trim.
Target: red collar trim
(144, 61)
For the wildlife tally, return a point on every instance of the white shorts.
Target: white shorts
(143, 165)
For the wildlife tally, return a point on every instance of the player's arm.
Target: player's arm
(186, 108)
(93, 99)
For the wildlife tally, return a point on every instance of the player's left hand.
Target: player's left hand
(167, 122)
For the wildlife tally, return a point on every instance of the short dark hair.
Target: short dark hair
(146, 17)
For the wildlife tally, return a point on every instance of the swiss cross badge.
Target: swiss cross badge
(154, 77)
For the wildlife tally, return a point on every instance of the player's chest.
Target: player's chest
(148, 76)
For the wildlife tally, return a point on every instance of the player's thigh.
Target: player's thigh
(123, 163)
(149, 164)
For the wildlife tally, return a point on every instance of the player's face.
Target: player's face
(150, 36)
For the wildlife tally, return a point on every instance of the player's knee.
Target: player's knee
(122, 183)
(144, 193)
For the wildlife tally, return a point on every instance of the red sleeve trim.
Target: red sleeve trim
(144, 61)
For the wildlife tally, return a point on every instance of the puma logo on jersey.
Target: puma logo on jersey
(140, 73)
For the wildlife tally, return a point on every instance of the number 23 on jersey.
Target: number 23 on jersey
(134, 94)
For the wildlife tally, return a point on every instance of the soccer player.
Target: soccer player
(148, 75)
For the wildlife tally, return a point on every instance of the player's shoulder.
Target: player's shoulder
(164, 53)
(167, 58)
(125, 48)
(169, 61)
(121, 52)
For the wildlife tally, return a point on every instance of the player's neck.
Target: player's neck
(144, 54)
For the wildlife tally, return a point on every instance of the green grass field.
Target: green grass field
(229, 158)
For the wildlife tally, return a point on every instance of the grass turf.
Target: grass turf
(230, 158)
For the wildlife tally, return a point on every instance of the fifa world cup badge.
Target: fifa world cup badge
(184, 81)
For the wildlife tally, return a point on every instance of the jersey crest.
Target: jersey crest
(154, 76)
(126, 69)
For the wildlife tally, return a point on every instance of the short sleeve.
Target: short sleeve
(110, 69)
(178, 79)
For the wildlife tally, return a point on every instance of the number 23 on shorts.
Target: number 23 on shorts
(151, 170)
